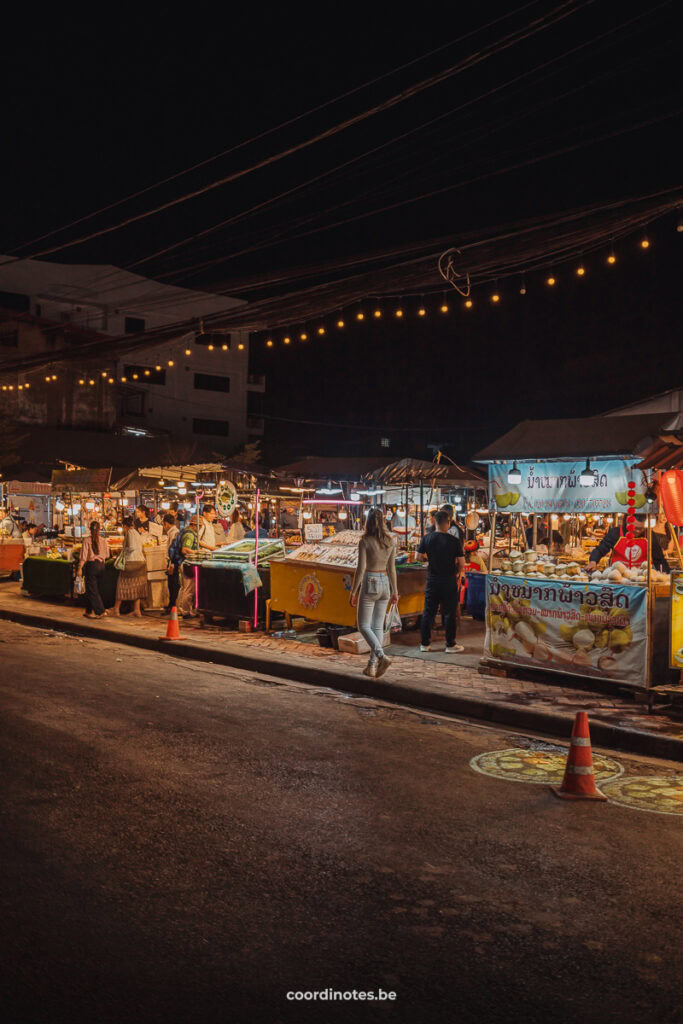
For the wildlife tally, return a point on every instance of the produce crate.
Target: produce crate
(355, 643)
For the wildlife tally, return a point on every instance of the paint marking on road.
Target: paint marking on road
(541, 767)
(656, 794)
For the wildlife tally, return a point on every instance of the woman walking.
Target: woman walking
(132, 581)
(374, 586)
(94, 552)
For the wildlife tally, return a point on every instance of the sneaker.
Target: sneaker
(455, 649)
(382, 666)
(370, 669)
(425, 647)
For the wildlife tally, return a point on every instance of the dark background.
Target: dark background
(96, 111)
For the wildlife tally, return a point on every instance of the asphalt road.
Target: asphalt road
(186, 842)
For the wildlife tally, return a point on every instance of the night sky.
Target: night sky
(94, 112)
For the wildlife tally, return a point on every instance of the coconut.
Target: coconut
(615, 576)
(619, 566)
(583, 639)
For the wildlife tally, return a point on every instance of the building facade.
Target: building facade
(196, 387)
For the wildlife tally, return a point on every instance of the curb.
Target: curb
(614, 737)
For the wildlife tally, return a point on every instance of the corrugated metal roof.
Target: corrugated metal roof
(589, 437)
(407, 471)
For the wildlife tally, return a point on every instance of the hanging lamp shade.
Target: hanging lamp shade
(671, 492)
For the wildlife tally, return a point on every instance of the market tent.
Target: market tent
(94, 481)
(318, 467)
(590, 437)
(409, 471)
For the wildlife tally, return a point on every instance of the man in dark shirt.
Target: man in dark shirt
(446, 560)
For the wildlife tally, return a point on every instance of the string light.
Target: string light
(224, 348)
(286, 340)
(422, 311)
(104, 373)
(110, 380)
(188, 352)
(81, 381)
(399, 313)
(91, 383)
(27, 386)
(135, 376)
(550, 281)
(580, 270)
(269, 343)
(340, 323)
(645, 243)
(47, 380)
(240, 346)
(54, 376)
(377, 314)
(611, 258)
(210, 348)
(20, 387)
(171, 363)
(360, 316)
(321, 330)
(444, 307)
(158, 368)
(148, 373)
(123, 380)
(468, 304)
(11, 387)
(495, 297)
(4, 387)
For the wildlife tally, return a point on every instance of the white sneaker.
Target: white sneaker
(456, 649)
(424, 648)
(371, 668)
(382, 666)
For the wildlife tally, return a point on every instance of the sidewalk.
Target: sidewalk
(439, 684)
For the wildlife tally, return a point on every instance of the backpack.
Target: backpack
(175, 552)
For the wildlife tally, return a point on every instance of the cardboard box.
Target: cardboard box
(355, 643)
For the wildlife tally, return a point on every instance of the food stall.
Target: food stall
(233, 582)
(314, 581)
(550, 611)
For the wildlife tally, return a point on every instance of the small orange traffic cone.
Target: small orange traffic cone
(579, 781)
(172, 630)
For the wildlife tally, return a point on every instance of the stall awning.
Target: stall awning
(414, 471)
(590, 437)
(92, 481)
(320, 467)
(666, 453)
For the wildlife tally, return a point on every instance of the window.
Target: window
(14, 300)
(9, 339)
(385, 442)
(255, 403)
(133, 325)
(216, 428)
(209, 382)
(145, 375)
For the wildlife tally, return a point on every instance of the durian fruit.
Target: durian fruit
(584, 639)
(619, 639)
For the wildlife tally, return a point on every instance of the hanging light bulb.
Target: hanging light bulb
(188, 352)
(148, 373)
(422, 311)
(398, 313)
(551, 281)
(286, 341)
(123, 380)
(91, 383)
(580, 270)
(360, 316)
(340, 323)
(645, 243)
(468, 304)
(171, 363)
(377, 314)
(611, 258)
(240, 346)
(60, 506)
(321, 330)
(47, 380)
(158, 368)
(104, 373)
(224, 347)
(587, 477)
(514, 474)
(81, 381)
(269, 343)
(210, 348)
(444, 307)
(495, 297)
(162, 482)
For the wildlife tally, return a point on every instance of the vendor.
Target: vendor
(141, 518)
(632, 554)
(473, 560)
(207, 533)
(288, 519)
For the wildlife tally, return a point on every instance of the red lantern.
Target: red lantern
(631, 485)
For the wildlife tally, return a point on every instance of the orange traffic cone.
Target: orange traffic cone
(579, 781)
(172, 630)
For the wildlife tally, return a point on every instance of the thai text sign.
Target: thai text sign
(580, 628)
(556, 487)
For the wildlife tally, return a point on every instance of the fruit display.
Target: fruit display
(620, 573)
(508, 498)
(531, 564)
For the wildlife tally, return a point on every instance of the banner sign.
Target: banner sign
(676, 633)
(579, 628)
(555, 487)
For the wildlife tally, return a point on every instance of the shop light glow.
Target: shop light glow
(587, 477)
(330, 501)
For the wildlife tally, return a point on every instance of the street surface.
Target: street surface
(187, 842)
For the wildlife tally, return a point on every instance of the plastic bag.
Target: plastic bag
(79, 585)
(392, 620)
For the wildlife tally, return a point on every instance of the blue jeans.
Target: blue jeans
(372, 607)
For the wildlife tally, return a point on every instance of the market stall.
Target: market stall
(233, 582)
(553, 611)
(314, 581)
